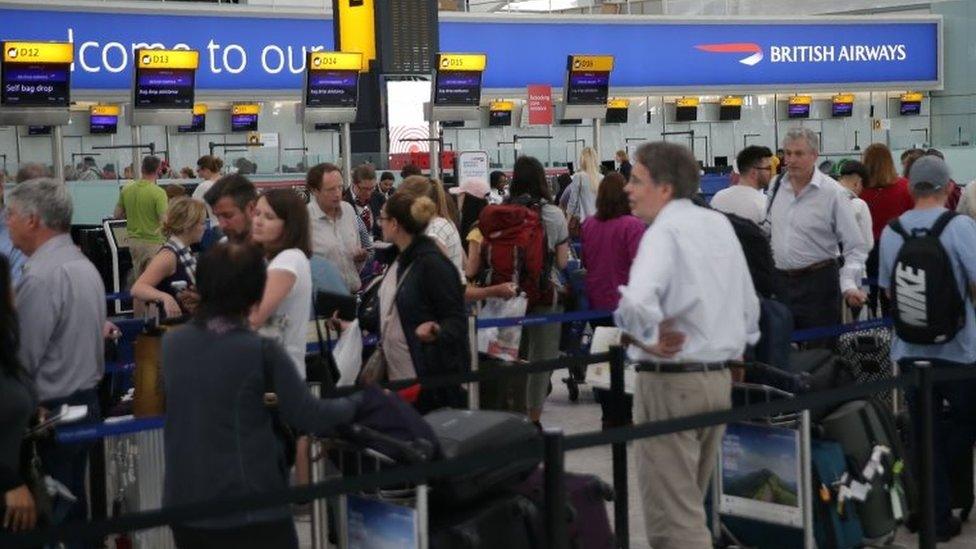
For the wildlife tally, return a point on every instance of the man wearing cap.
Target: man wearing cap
(929, 181)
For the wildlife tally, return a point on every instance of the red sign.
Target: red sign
(540, 104)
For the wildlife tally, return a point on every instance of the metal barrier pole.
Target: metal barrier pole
(924, 441)
(806, 480)
(621, 505)
(554, 488)
(474, 394)
(320, 519)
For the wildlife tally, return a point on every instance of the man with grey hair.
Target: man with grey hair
(811, 221)
(60, 302)
(688, 309)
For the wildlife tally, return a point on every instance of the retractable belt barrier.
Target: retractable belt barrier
(920, 377)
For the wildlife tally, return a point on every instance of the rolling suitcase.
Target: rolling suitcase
(470, 432)
(507, 521)
(860, 427)
(836, 523)
(589, 526)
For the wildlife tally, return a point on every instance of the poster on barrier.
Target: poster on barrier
(760, 467)
(378, 524)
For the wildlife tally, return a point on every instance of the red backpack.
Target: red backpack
(516, 250)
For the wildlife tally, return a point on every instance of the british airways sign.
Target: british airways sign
(252, 50)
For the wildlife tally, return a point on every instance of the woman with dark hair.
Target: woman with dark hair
(17, 402)
(423, 325)
(541, 341)
(887, 198)
(610, 240)
(220, 434)
(280, 226)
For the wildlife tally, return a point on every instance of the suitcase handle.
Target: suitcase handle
(417, 451)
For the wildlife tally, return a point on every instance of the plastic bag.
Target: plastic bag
(502, 343)
(348, 354)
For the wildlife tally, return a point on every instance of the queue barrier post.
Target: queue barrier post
(621, 505)
(924, 441)
(474, 388)
(320, 520)
(554, 487)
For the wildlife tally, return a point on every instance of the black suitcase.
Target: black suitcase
(859, 426)
(507, 521)
(826, 370)
(471, 432)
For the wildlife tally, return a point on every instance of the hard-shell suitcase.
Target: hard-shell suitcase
(507, 521)
(826, 370)
(471, 432)
(589, 524)
(836, 523)
(859, 428)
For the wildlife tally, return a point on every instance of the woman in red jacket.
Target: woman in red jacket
(887, 197)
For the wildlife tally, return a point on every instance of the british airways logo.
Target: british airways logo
(738, 47)
(811, 54)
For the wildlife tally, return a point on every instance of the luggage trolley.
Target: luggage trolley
(394, 516)
(764, 469)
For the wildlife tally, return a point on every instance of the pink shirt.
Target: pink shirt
(609, 247)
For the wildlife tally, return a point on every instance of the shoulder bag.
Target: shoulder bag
(374, 371)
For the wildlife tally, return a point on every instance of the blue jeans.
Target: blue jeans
(961, 422)
(67, 463)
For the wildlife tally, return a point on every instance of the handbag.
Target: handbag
(321, 367)
(575, 224)
(369, 306)
(375, 369)
(284, 433)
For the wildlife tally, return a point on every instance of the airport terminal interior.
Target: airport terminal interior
(578, 163)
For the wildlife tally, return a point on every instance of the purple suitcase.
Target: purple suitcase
(589, 524)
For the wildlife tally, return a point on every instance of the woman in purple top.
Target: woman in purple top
(610, 240)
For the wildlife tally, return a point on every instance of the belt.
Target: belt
(812, 268)
(679, 367)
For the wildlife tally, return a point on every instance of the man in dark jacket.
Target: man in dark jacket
(366, 199)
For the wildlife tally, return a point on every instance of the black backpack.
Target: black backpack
(927, 305)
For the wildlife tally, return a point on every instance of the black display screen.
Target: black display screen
(198, 124)
(332, 89)
(499, 118)
(685, 114)
(617, 116)
(910, 108)
(164, 88)
(327, 127)
(587, 88)
(798, 110)
(38, 130)
(243, 122)
(842, 109)
(457, 88)
(729, 112)
(36, 85)
(103, 124)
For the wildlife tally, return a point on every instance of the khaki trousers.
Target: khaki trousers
(142, 252)
(674, 470)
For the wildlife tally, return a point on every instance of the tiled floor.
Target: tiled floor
(584, 416)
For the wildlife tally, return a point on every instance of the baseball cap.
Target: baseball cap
(473, 186)
(929, 170)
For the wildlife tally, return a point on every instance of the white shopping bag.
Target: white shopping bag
(348, 354)
(598, 375)
(502, 343)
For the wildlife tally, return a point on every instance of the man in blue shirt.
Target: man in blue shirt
(929, 178)
(14, 256)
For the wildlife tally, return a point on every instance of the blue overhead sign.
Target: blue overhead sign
(267, 52)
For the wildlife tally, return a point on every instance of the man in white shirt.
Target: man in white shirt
(746, 199)
(810, 220)
(334, 223)
(688, 309)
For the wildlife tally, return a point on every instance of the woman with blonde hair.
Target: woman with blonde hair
(173, 268)
(441, 228)
(583, 190)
